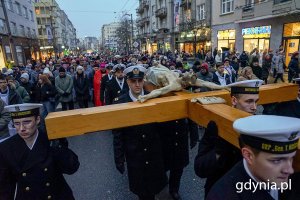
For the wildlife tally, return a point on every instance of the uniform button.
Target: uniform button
(46, 169)
(145, 149)
(176, 144)
(177, 122)
(119, 91)
(176, 133)
(49, 197)
(143, 135)
(24, 174)
(27, 188)
(47, 184)
(147, 162)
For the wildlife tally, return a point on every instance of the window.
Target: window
(227, 6)
(249, 3)
(13, 28)
(22, 30)
(280, 1)
(25, 12)
(31, 15)
(33, 34)
(9, 5)
(28, 32)
(37, 11)
(2, 26)
(18, 8)
(201, 12)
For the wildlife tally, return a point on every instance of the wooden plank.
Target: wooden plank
(224, 116)
(78, 122)
(81, 121)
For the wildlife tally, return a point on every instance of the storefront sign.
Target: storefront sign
(257, 32)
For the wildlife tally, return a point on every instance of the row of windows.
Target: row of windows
(20, 10)
(21, 31)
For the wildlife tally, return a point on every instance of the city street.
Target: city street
(98, 179)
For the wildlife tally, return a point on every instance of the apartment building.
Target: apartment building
(56, 32)
(109, 35)
(18, 32)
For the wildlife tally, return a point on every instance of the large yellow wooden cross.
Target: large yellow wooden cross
(176, 106)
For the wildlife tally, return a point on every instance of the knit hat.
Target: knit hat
(46, 70)
(61, 69)
(79, 68)
(25, 76)
(204, 66)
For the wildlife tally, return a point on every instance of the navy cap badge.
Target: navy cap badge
(135, 71)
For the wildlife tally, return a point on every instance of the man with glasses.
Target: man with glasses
(31, 167)
(139, 145)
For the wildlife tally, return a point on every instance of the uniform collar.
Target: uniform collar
(132, 96)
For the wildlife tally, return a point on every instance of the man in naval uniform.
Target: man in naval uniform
(139, 146)
(117, 85)
(106, 78)
(30, 167)
(215, 155)
(268, 144)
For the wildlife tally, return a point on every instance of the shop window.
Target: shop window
(20, 57)
(291, 29)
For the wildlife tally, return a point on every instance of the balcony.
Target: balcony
(145, 20)
(186, 4)
(266, 9)
(145, 3)
(140, 9)
(161, 13)
(139, 23)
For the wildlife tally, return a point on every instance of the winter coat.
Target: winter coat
(81, 86)
(4, 120)
(64, 87)
(22, 92)
(48, 91)
(293, 69)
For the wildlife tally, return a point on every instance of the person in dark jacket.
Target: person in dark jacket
(244, 59)
(81, 86)
(257, 70)
(4, 121)
(105, 80)
(117, 85)
(140, 146)
(294, 67)
(47, 92)
(268, 145)
(215, 155)
(174, 137)
(31, 167)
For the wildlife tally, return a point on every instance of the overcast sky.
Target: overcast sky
(88, 16)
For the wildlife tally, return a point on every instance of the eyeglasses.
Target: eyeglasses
(24, 123)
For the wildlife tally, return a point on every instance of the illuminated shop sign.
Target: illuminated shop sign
(257, 32)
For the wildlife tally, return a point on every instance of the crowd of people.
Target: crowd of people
(149, 150)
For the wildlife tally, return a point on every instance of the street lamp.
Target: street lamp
(131, 41)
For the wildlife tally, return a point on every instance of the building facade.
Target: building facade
(182, 25)
(91, 43)
(109, 38)
(18, 32)
(56, 33)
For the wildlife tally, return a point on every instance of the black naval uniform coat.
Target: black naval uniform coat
(289, 109)
(206, 164)
(174, 137)
(140, 146)
(38, 173)
(114, 90)
(103, 88)
(225, 188)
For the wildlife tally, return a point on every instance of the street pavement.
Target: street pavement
(98, 179)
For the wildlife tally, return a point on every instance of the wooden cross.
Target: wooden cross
(176, 106)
